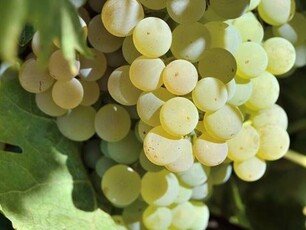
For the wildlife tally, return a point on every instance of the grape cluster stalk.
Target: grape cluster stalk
(178, 97)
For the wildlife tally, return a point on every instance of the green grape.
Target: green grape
(195, 175)
(251, 30)
(92, 69)
(121, 185)
(208, 151)
(159, 188)
(185, 160)
(68, 94)
(276, 12)
(224, 123)
(210, 16)
(121, 88)
(126, 150)
(185, 11)
(252, 60)
(146, 164)
(142, 129)
(274, 142)
(129, 51)
(36, 45)
(132, 112)
(154, 4)
(161, 148)
(265, 92)
(179, 116)
(152, 37)
(244, 145)
(45, 103)
(60, 68)
(224, 35)
(183, 216)
(157, 218)
(210, 94)
(300, 59)
(244, 88)
(100, 38)
(201, 216)
(231, 88)
(103, 148)
(103, 164)
(189, 41)
(91, 152)
(230, 9)
(274, 115)
(121, 16)
(253, 4)
(77, 124)
(91, 92)
(145, 73)
(119, 222)
(220, 174)
(251, 169)
(115, 59)
(293, 30)
(33, 78)
(202, 191)
(149, 105)
(132, 214)
(281, 55)
(180, 77)
(184, 194)
(218, 63)
(112, 122)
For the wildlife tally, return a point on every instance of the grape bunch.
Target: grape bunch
(177, 96)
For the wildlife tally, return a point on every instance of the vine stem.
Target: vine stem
(296, 157)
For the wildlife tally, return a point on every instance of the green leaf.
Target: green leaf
(46, 186)
(26, 35)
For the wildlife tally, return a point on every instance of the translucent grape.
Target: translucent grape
(115, 59)
(274, 142)
(224, 36)
(45, 103)
(209, 151)
(220, 174)
(77, 124)
(96, 5)
(183, 215)
(210, 94)
(244, 88)
(33, 78)
(300, 59)
(91, 92)
(252, 60)
(154, 4)
(161, 148)
(281, 55)
(152, 37)
(194, 176)
(60, 68)
(145, 73)
(159, 188)
(201, 216)
(126, 150)
(231, 89)
(265, 92)
(202, 191)
(185, 11)
(129, 51)
(103, 164)
(185, 160)
(157, 218)
(121, 185)
(132, 214)
(230, 9)
(142, 129)
(112, 122)
(218, 63)
(68, 94)
(149, 105)
(276, 12)
(251, 169)
(179, 116)
(224, 123)
(121, 88)
(244, 145)
(184, 195)
(180, 77)
(274, 115)
(147, 165)
(253, 4)
(36, 44)
(190, 41)
(92, 69)
(91, 152)
(113, 13)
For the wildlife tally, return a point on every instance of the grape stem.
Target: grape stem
(296, 157)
